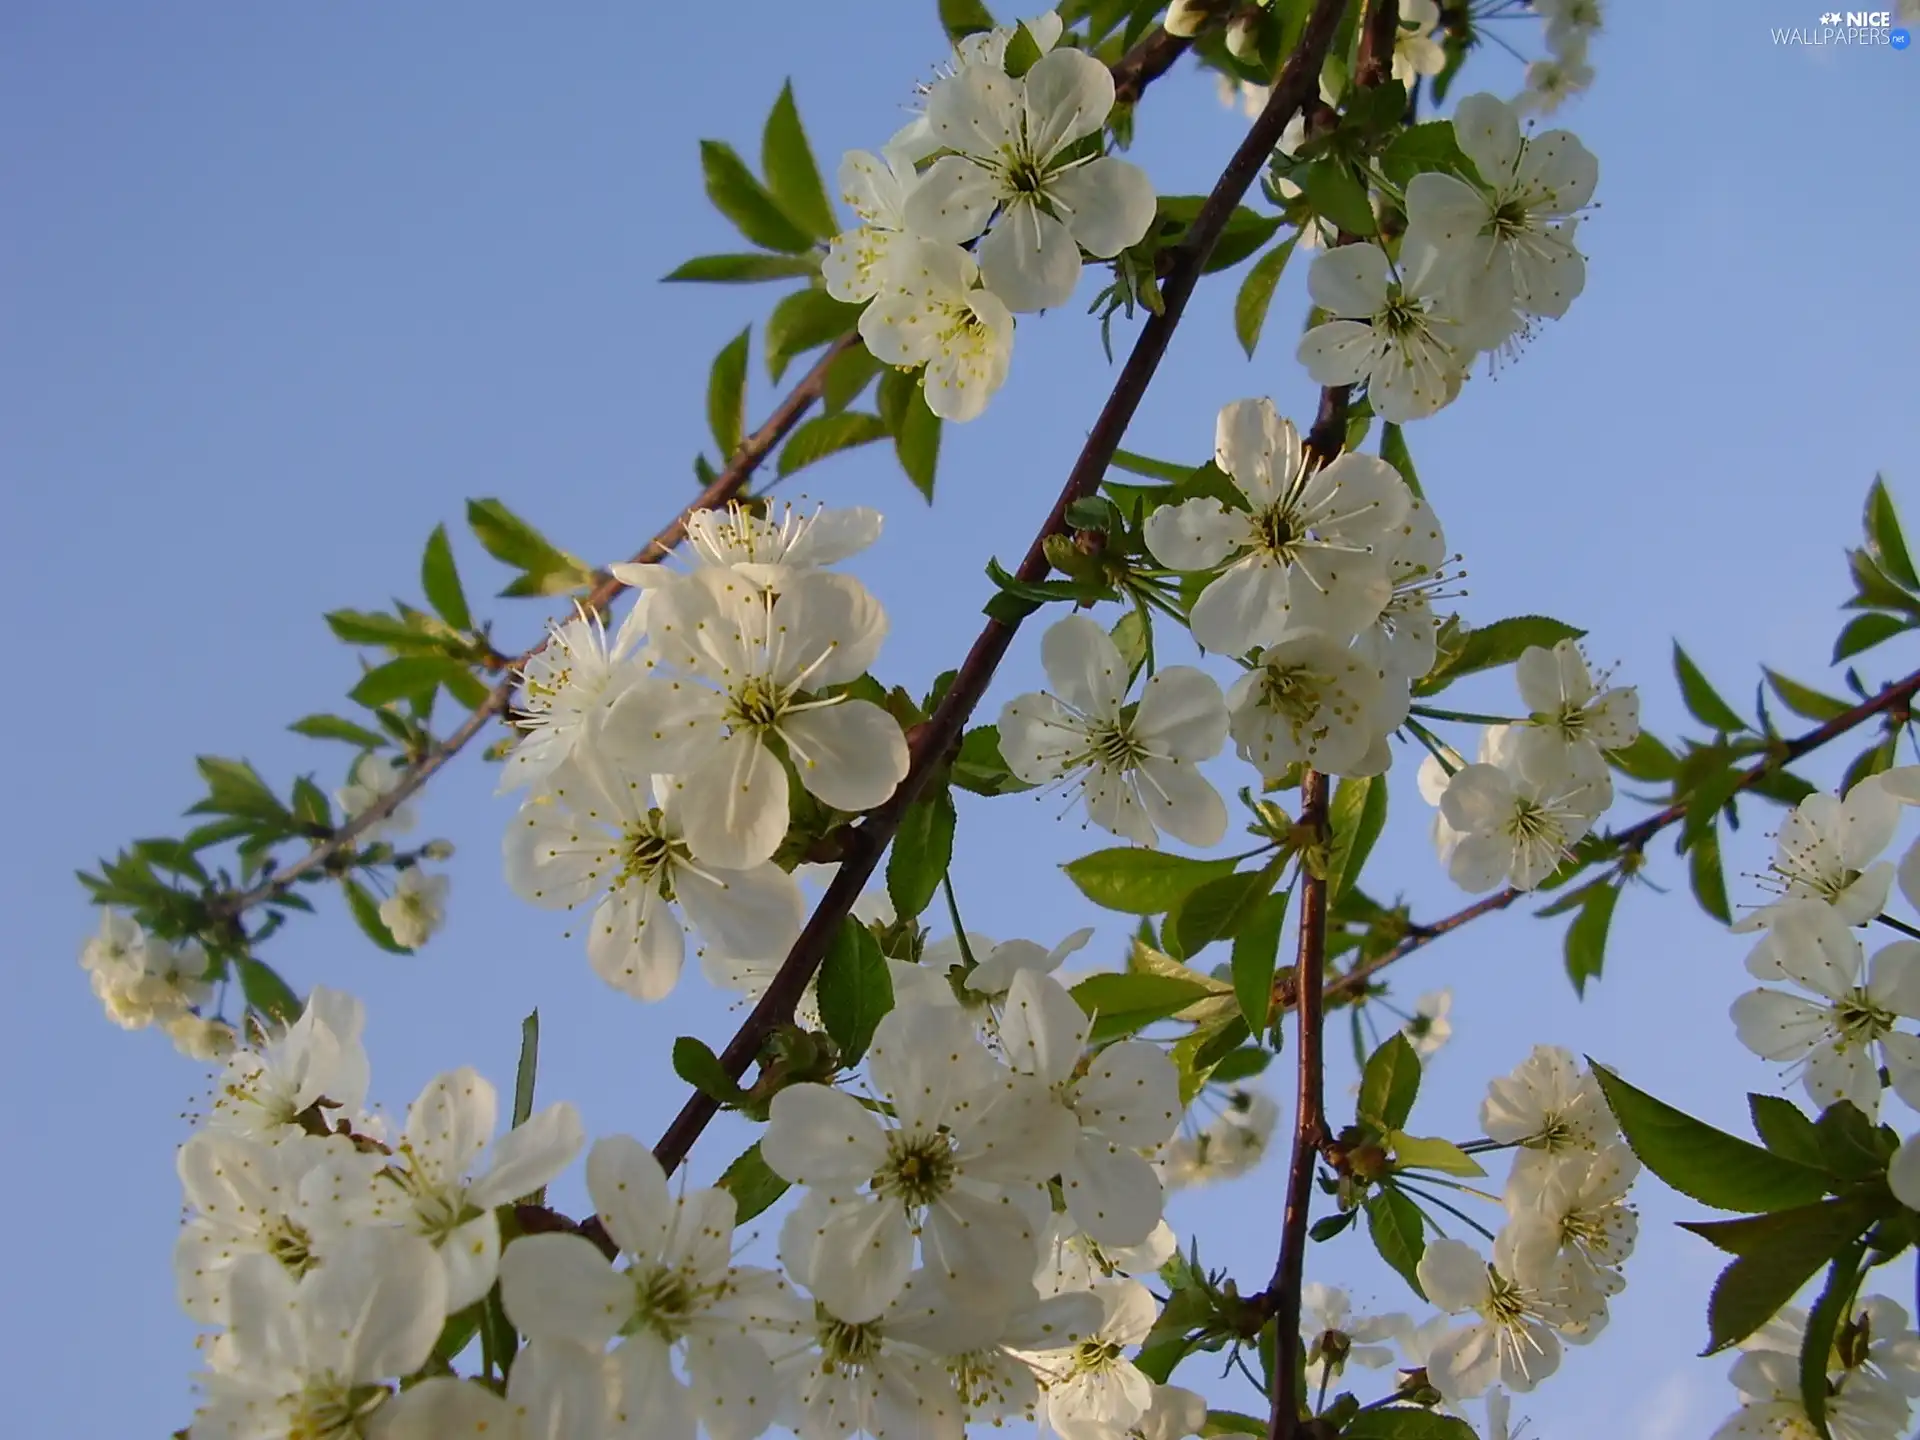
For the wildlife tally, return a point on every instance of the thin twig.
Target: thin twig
(1309, 1120)
(942, 731)
(725, 486)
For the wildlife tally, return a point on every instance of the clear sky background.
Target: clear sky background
(284, 283)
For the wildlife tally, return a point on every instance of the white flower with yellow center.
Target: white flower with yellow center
(262, 1092)
(1548, 1107)
(1567, 709)
(1518, 825)
(1828, 851)
(1136, 765)
(600, 842)
(563, 689)
(1312, 700)
(416, 908)
(1307, 548)
(1018, 172)
(1511, 1339)
(743, 672)
(932, 313)
(964, 1137)
(1389, 331)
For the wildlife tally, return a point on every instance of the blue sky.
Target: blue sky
(285, 283)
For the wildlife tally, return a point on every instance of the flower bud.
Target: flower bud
(1189, 17)
(1243, 37)
(437, 850)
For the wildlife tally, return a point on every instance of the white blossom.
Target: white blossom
(1827, 851)
(593, 840)
(1550, 81)
(1428, 1028)
(1860, 1407)
(1401, 642)
(308, 1357)
(1126, 1099)
(1335, 1337)
(1139, 774)
(557, 1391)
(1093, 1381)
(1570, 23)
(1012, 173)
(447, 1197)
(1567, 710)
(1518, 824)
(679, 1295)
(564, 687)
(1845, 1033)
(1548, 1107)
(746, 668)
(261, 1092)
(963, 1131)
(1506, 245)
(1308, 550)
(932, 313)
(1311, 700)
(372, 778)
(1388, 331)
(416, 908)
(1571, 1224)
(875, 188)
(1415, 51)
(1512, 1338)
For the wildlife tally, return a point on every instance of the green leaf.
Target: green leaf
(235, 788)
(826, 435)
(1153, 469)
(366, 914)
(981, 768)
(512, 541)
(1393, 450)
(1778, 1253)
(752, 1183)
(1851, 1145)
(1884, 540)
(695, 1063)
(1256, 955)
(1786, 1129)
(1702, 700)
(727, 395)
(787, 161)
(1398, 1233)
(266, 992)
(1337, 194)
(440, 581)
(527, 1070)
(1703, 1163)
(922, 850)
(1246, 231)
(1704, 872)
(1389, 1084)
(1023, 52)
(1426, 1152)
(1587, 936)
(803, 321)
(1646, 759)
(1407, 1422)
(1356, 815)
(371, 627)
(310, 803)
(1863, 632)
(916, 429)
(747, 269)
(1255, 298)
(852, 371)
(1804, 700)
(1216, 909)
(855, 989)
(964, 17)
(736, 194)
(1122, 1003)
(1501, 643)
(1141, 882)
(1823, 1325)
(332, 727)
(409, 677)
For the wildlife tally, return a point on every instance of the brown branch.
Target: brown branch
(1309, 1120)
(932, 741)
(1145, 63)
(725, 486)
(1635, 837)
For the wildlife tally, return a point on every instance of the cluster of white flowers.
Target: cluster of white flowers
(1570, 25)
(142, 980)
(1873, 1375)
(1226, 1147)
(329, 1259)
(960, 1252)
(1557, 1259)
(1842, 1034)
(980, 209)
(1480, 262)
(660, 765)
(1537, 788)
